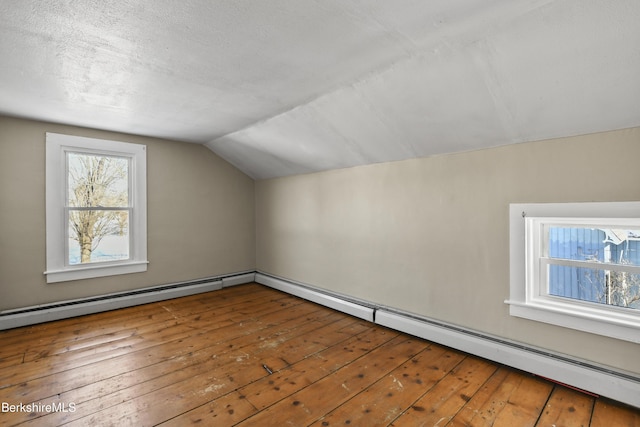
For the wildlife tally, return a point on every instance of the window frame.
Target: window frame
(58, 268)
(528, 300)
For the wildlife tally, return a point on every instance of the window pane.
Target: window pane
(576, 243)
(594, 285)
(97, 181)
(98, 235)
(615, 246)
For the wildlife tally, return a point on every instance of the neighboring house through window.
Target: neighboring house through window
(577, 265)
(96, 207)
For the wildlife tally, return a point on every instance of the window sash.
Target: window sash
(130, 234)
(100, 153)
(98, 208)
(538, 258)
(627, 268)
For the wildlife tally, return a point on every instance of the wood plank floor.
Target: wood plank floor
(252, 356)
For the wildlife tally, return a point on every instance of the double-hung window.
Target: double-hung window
(96, 207)
(577, 265)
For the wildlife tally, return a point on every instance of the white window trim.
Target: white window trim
(57, 146)
(527, 301)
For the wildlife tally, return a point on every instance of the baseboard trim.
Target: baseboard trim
(65, 309)
(601, 380)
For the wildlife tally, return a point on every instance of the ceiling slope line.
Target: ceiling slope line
(444, 37)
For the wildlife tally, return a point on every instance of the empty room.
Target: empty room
(320, 213)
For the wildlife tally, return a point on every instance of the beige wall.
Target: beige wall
(200, 216)
(430, 236)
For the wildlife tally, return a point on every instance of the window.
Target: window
(577, 265)
(96, 208)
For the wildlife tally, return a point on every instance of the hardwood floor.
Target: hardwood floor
(252, 356)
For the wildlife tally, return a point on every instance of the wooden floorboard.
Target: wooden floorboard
(253, 356)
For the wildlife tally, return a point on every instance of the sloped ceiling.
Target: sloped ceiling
(295, 86)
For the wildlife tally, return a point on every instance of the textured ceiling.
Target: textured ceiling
(296, 86)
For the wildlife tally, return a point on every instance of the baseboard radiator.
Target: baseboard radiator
(65, 309)
(600, 380)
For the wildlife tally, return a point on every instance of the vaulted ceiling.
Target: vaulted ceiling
(294, 86)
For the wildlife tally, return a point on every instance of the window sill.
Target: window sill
(584, 317)
(97, 270)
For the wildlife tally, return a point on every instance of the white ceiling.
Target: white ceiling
(295, 86)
